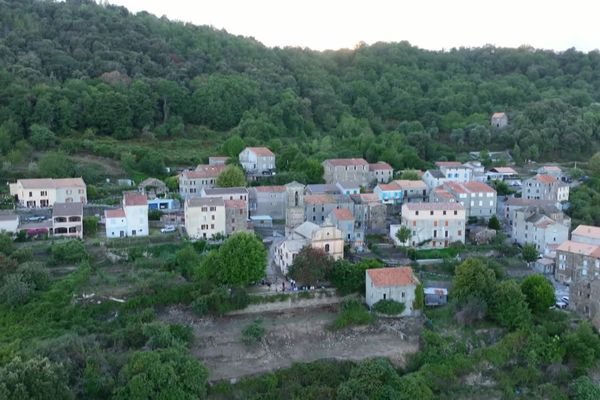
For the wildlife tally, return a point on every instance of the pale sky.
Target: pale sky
(430, 24)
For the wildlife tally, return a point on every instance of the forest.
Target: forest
(75, 75)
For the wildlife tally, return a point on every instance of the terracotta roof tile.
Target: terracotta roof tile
(406, 184)
(379, 166)
(235, 204)
(388, 187)
(135, 199)
(270, 189)
(587, 231)
(342, 214)
(448, 164)
(570, 246)
(116, 213)
(261, 151)
(397, 276)
(547, 179)
(340, 162)
(318, 199)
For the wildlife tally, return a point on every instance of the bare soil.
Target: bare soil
(295, 336)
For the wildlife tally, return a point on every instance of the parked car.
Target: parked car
(35, 218)
(565, 299)
(168, 229)
(560, 304)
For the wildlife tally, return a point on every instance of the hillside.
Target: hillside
(77, 70)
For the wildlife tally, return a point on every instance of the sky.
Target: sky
(429, 24)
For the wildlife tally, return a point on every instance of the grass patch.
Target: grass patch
(352, 313)
(253, 333)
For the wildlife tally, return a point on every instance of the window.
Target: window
(431, 212)
(459, 233)
(446, 234)
(455, 212)
(434, 233)
(444, 212)
(416, 213)
(212, 226)
(212, 217)
(213, 209)
(327, 248)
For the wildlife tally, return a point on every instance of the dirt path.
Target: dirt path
(299, 336)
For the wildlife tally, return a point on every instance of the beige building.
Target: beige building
(326, 237)
(397, 284)
(355, 170)
(576, 261)
(191, 183)
(586, 234)
(41, 193)
(204, 217)
(545, 187)
(67, 220)
(432, 225)
(544, 226)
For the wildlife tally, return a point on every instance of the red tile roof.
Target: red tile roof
(261, 151)
(343, 214)
(498, 115)
(552, 168)
(478, 187)
(547, 179)
(505, 170)
(135, 199)
(235, 204)
(443, 194)
(116, 213)
(318, 199)
(389, 186)
(448, 164)
(204, 171)
(269, 189)
(578, 248)
(407, 184)
(340, 162)
(398, 276)
(379, 166)
(587, 231)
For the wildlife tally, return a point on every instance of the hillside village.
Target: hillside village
(359, 205)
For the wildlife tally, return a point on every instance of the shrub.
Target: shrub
(253, 333)
(90, 226)
(15, 290)
(22, 255)
(220, 301)
(352, 313)
(72, 251)
(154, 215)
(160, 335)
(35, 274)
(389, 307)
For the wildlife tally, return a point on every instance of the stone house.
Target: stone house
(343, 220)
(576, 261)
(397, 284)
(499, 120)
(233, 193)
(380, 172)
(455, 171)
(434, 178)
(413, 191)
(545, 187)
(268, 200)
(544, 227)
(153, 188)
(369, 212)
(294, 210)
(389, 193)
(355, 170)
(191, 183)
(235, 217)
(478, 199)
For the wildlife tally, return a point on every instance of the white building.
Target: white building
(232, 193)
(432, 225)
(455, 171)
(41, 193)
(9, 223)
(545, 187)
(398, 284)
(205, 217)
(257, 160)
(478, 199)
(131, 219)
(67, 220)
(191, 183)
(434, 178)
(544, 226)
(586, 234)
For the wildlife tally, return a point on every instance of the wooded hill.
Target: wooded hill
(75, 68)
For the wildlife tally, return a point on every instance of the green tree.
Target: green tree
(239, 261)
(35, 378)
(494, 223)
(311, 266)
(188, 260)
(593, 165)
(530, 252)
(233, 146)
(538, 292)
(90, 226)
(348, 277)
(162, 374)
(15, 290)
(6, 244)
(410, 175)
(232, 176)
(583, 388)
(508, 306)
(403, 234)
(56, 165)
(473, 279)
(41, 137)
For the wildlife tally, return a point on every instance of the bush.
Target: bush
(154, 215)
(15, 290)
(72, 251)
(352, 313)
(36, 378)
(160, 335)
(220, 301)
(90, 226)
(22, 255)
(35, 274)
(389, 307)
(253, 333)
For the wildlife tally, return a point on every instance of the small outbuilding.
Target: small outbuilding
(398, 284)
(435, 296)
(499, 120)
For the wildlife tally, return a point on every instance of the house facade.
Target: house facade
(584, 299)
(576, 261)
(545, 227)
(514, 204)
(499, 120)
(205, 217)
(398, 284)
(235, 217)
(413, 191)
(455, 171)
(369, 212)
(42, 193)
(586, 234)
(153, 188)
(343, 220)
(317, 207)
(478, 199)
(432, 225)
(380, 172)
(268, 200)
(257, 160)
(9, 223)
(129, 220)
(294, 210)
(233, 193)
(67, 220)
(545, 187)
(115, 223)
(389, 193)
(355, 170)
(191, 183)
(434, 178)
